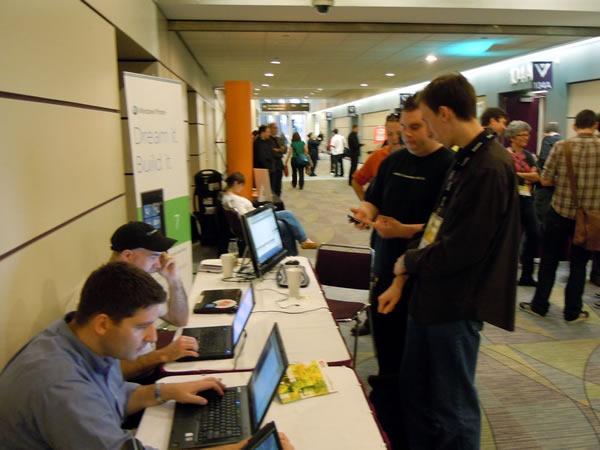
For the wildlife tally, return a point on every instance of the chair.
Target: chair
(345, 266)
(235, 226)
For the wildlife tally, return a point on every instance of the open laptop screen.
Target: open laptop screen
(266, 376)
(243, 314)
(263, 239)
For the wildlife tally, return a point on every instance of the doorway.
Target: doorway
(523, 106)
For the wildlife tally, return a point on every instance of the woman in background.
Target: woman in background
(518, 133)
(298, 154)
(232, 200)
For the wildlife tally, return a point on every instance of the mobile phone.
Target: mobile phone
(353, 219)
(153, 209)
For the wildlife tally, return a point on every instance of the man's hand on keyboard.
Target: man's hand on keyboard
(188, 392)
(183, 346)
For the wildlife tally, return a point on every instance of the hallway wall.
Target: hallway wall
(63, 173)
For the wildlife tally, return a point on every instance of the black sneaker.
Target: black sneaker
(583, 315)
(526, 307)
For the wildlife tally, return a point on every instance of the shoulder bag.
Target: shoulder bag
(587, 223)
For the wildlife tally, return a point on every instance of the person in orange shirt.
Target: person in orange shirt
(368, 170)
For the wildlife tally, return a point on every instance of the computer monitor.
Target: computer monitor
(263, 239)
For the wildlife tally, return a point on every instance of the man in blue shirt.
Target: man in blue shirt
(64, 389)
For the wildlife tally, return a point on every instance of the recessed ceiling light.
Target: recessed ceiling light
(319, 89)
(265, 85)
(390, 74)
(257, 89)
(364, 84)
(275, 61)
(312, 93)
(269, 74)
(431, 58)
(306, 96)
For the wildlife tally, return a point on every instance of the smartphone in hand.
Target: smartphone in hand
(353, 219)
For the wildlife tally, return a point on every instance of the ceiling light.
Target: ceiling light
(431, 58)
(319, 89)
(364, 84)
(257, 89)
(269, 74)
(312, 93)
(265, 85)
(390, 74)
(275, 61)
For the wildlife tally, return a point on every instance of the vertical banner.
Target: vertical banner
(158, 152)
(542, 76)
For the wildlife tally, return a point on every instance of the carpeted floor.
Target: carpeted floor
(539, 386)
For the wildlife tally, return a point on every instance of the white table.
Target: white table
(307, 327)
(340, 420)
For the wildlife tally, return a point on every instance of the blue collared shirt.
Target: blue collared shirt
(56, 393)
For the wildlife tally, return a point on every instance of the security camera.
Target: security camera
(322, 5)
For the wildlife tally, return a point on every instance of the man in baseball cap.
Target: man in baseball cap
(142, 245)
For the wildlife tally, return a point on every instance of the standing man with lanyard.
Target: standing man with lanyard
(464, 273)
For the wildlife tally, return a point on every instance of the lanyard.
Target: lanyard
(463, 157)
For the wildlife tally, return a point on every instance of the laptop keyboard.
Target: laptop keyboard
(220, 418)
(211, 340)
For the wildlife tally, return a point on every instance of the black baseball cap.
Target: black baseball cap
(140, 235)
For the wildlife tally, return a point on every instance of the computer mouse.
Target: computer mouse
(292, 262)
(211, 395)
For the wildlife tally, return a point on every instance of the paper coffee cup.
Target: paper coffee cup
(294, 275)
(228, 261)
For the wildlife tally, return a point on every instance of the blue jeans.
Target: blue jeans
(292, 221)
(557, 232)
(438, 383)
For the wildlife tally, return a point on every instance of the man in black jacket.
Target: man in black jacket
(464, 272)
(354, 145)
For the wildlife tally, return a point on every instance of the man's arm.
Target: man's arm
(177, 304)
(388, 227)
(153, 394)
(183, 346)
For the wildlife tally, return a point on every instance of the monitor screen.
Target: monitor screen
(243, 314)
(265, 379)
(263, 239)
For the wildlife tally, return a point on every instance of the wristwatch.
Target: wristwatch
(157, 397)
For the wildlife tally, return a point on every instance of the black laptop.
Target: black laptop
(219, 342)
(239, 413)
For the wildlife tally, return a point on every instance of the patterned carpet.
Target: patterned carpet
(539, 386)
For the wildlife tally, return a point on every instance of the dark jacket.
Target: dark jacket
(263, 154)
(469, 272)
(353, 143)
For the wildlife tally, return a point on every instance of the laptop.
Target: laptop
(219, 342)
(240, 411)
(266, 438)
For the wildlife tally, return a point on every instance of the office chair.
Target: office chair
(235, 226)
(345, 266)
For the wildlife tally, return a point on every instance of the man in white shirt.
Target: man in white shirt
(337, 145)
